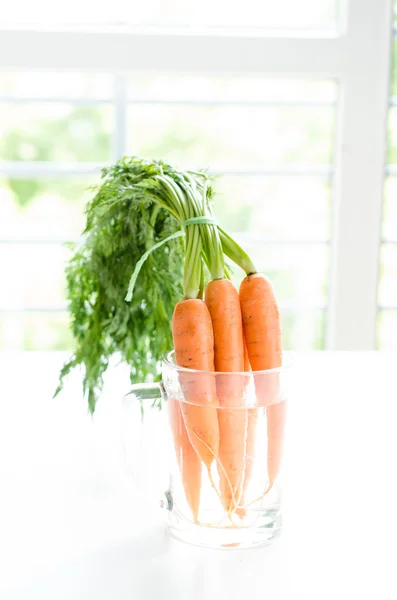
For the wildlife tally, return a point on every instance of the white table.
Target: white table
(72, 527)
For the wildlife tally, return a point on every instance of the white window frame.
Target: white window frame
(358, 57)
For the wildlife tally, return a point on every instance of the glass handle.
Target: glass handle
(145, 391)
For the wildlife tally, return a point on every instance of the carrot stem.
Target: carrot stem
(210, 236)
(236, 253)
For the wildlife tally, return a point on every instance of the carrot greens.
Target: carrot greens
(140, 206)
(121, 226)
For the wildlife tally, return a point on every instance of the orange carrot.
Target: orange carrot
(187, 459)
(194, 349)
(262, 331)
(224, 306)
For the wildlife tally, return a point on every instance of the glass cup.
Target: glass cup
(225, 437)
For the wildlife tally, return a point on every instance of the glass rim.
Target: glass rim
(168, 360)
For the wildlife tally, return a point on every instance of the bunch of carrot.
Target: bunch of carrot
(211, 335)
(217, 329)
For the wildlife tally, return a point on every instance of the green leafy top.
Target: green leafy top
(139, 203)
(120, 228)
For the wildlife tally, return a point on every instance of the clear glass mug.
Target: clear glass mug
(225, 439)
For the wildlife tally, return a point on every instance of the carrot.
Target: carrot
(194, 349)
(262, 331)
(187, 459)
(223, 304)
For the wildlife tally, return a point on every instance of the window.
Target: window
(296, 179)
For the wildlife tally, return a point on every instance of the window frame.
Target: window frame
(358, 56)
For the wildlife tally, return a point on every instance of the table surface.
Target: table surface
(73, 527)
